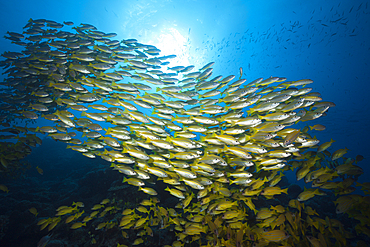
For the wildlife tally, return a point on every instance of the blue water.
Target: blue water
(326, 41)
(323, 41)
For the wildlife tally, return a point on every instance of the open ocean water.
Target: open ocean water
(325, 41)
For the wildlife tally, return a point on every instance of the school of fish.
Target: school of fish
(219, 143)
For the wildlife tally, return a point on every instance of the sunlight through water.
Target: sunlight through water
(170, 42)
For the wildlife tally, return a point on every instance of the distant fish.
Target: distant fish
(318, 127)
(44, 240)
(4, 188)
(33, 211)
(39, 170)
(359, 158)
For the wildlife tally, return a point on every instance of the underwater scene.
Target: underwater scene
(184, 123)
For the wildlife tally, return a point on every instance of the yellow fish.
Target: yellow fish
(176, 193)
(339, 153)
(39, 170)
(307, 194)
(4, 188)
(270, 191)
(275, 235)
(33, 211)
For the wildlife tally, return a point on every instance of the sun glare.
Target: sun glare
(171, 42)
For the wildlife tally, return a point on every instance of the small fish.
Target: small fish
(318, 127)
(33, 211)
(308, 193)
(264, 213)
(39, 170)
(44, 240)
(225, 205)
(134, 181)
(175, 193)
(270, 191)
(4, 188)
(105, 201)
(149, 191)
(240, 72)
(78, 225)
(275, 235)
(78, 204)
(325, 146)
(339, 153)
(359, 158)
(291, 137)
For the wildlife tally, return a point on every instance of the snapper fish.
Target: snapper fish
(44, 240)
(225, 140)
